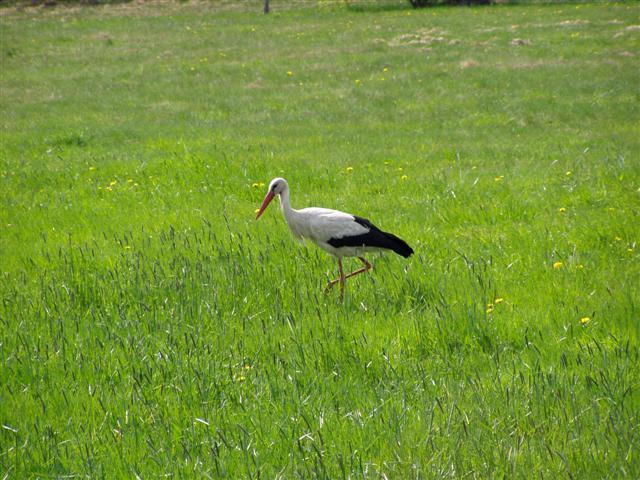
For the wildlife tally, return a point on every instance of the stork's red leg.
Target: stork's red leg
(339, 279)
(367, 267)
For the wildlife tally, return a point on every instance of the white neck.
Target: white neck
(285, 206)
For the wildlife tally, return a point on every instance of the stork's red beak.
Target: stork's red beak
(265, 203)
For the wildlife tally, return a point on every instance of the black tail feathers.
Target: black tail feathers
(374, 237)
(398, 245)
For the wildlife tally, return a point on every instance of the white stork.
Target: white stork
(341, 234)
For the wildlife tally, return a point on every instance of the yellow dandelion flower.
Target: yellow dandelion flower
(289, 73)
(135, 184)
(256, 210)
(349, 169)
(499, 178)
(112, 183)
(127, 247)
(557, 265)
(385, 69)
(358, 82)
(403, 177)
(92, 168)
(617, 239)
(255, 185)
(489, 309)
(580, 267)
(498, 300)
(569, 173)
(585, 320)
(562, 209)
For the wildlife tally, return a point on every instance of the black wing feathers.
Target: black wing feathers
(373, 238)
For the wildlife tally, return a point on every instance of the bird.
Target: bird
(338, 233)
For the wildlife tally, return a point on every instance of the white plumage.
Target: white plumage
(321, 225)
(339, 233)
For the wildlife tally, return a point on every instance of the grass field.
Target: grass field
(151, 328)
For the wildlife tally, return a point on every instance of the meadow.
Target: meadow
(152, 328)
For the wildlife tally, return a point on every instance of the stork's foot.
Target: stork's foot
(330, 285)
(340, 280)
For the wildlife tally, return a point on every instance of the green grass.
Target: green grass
(151, 327)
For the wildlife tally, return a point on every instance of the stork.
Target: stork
(339, 233)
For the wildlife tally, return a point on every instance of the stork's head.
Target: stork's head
(276, 187)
